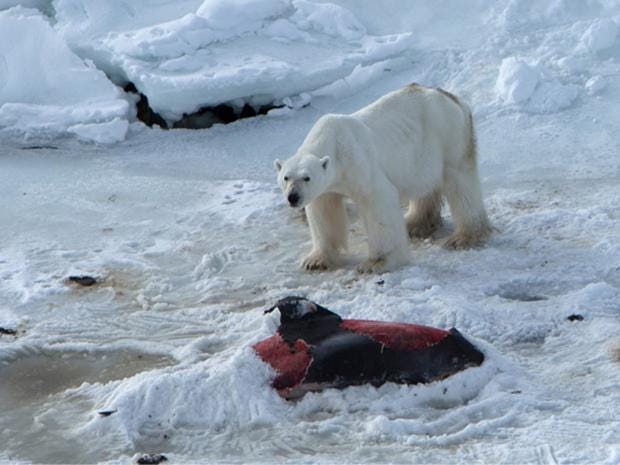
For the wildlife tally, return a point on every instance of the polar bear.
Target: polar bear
(416, 145)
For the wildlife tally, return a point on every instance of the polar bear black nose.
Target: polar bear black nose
(293, 198)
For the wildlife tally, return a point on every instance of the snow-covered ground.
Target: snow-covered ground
(190, 239)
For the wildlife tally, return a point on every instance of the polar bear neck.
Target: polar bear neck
(335, 136)
(322, 138)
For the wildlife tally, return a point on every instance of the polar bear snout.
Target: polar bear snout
(293, 198)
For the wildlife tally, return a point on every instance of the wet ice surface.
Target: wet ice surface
(37, 374)
(39, 402)
(186, 263)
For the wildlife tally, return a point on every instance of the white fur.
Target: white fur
(415, 144)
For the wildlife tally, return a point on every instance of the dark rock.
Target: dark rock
(247, 111)
(575, 317)
(7, 332)
(226, 114)
(106, 413)
(144, 111)
(149, 459)
(40, 147)
(83, 280)
(131, 88)
(202, 118)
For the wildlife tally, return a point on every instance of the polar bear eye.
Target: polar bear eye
(307, 179)
(286, 178)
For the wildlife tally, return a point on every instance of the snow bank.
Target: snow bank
(41, 5)
(102, 133)
(46, 90)
(242, 15)
(516, 81)
(190, 54)
(534, 90)
(550, 97)
(230, 396)
(564, 51)
(600, 35)
(8, 319)
(223, 51)
(229, 400)
(519, 83)
(595, 84)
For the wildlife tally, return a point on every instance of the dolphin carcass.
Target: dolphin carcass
(315, 349)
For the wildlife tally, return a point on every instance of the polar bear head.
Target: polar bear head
(303, 178)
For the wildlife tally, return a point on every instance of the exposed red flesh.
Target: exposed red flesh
(291, 363)
(397, 336)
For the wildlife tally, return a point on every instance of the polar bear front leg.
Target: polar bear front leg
(388, 240)
(327, 218)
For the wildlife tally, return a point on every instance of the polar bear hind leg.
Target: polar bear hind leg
(462, 190)
(461, 186)
(327, 218)
(424, 215)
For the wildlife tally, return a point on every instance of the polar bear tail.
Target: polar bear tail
(471, 150)
(471, 147)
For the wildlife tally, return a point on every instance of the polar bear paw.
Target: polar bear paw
(385, 262)
(462, 241)
(317, 261)
(372, 265)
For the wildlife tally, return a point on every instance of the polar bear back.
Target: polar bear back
(417, 133)
(409, 136)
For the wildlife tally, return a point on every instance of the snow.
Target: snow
(327, 18)
(45, 89)
(255, 51)
(233, 14)
(190, 238)
(595, 84)
(550, 97)
(102, 133)
(516, 80)
(600, 35)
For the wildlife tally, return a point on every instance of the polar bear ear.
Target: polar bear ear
(324, 162)
(277, 164)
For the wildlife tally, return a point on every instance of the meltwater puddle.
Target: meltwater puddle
(36, 413)
(33, 375)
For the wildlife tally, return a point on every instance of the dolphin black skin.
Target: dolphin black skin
(315, 349)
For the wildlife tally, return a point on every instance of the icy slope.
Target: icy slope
(46, 90)
(256, 51)
(182, 55)
(188, 55)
